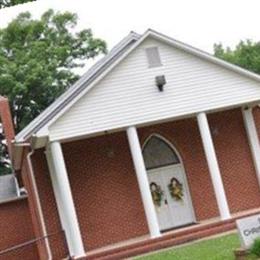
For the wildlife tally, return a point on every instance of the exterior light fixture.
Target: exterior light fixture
(160, 82)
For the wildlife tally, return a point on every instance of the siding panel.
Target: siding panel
(128, 95)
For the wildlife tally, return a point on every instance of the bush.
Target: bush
(255, 248)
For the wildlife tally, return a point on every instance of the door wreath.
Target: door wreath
(157, 194)
(176, 189)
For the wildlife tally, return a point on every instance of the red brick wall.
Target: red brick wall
(27, 180)
(233, 155)
(185, 137)
(48, 204)
(16, 228)
(105, 188)
(235, 160)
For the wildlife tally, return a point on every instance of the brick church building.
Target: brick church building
(157, 144)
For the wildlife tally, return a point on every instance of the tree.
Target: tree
(7, 3)
(37, 58)
(246, 55)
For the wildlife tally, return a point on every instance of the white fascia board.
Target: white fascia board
(43, 132)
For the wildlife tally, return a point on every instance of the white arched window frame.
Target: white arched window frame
(168, 155)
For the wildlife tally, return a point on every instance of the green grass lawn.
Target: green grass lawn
(220, 248)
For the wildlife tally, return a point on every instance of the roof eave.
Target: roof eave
(94, 71)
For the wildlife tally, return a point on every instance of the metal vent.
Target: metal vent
(153, 57)
(7, 187)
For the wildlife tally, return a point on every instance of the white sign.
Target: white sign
(249, 230)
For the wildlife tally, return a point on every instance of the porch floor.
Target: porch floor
(144, 244)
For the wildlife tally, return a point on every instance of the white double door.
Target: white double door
(175, 207)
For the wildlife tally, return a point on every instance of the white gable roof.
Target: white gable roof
(124, 93)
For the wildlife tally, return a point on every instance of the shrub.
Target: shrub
(255, 248)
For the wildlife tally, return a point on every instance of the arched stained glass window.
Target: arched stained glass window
(158, 153)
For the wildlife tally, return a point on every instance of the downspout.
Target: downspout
(38, 203)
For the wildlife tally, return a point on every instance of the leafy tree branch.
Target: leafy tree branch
(38, 58)
(7, 3)
(246, 55)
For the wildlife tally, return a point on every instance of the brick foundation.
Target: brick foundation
(168, 240)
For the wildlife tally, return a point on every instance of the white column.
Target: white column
(213, 166)
(143, 182)
(64, 199)
(57, 192)
(252, 138)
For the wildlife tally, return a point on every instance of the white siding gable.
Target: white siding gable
(128, 94)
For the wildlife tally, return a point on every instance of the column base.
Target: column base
(225, 217)
(155, 236)
(79, 257)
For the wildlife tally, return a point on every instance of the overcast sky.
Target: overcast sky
(200, 23)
